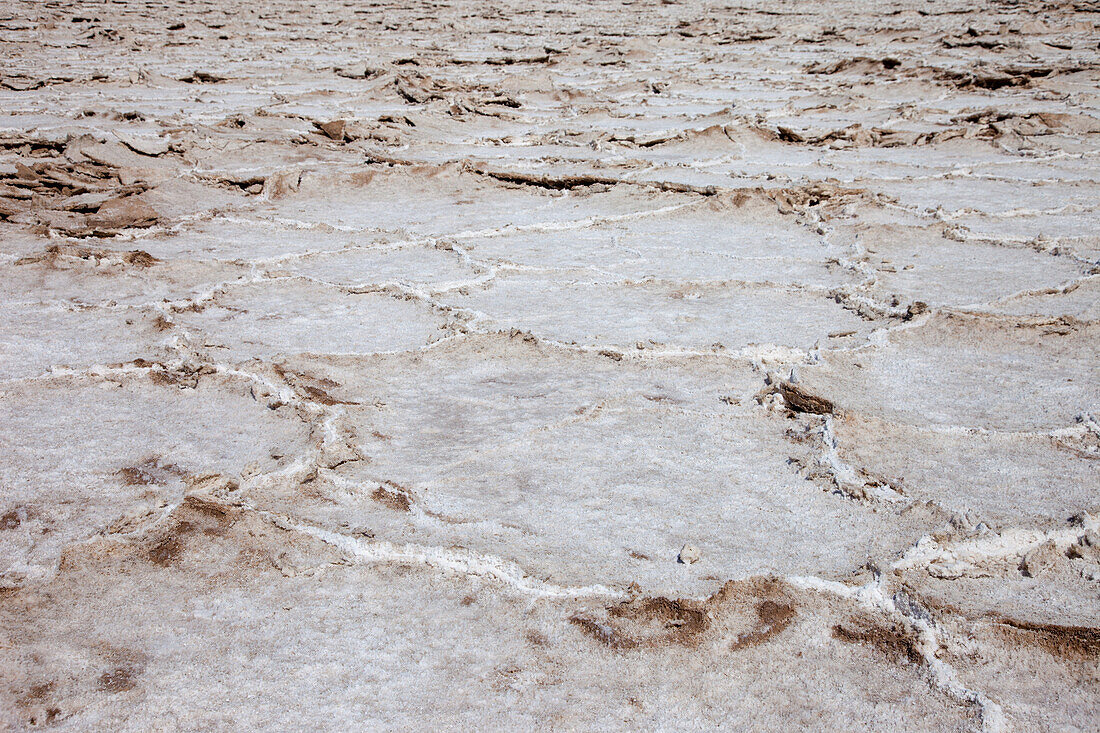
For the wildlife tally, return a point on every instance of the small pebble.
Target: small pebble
(689, 554)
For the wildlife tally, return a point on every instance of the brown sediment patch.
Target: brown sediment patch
(15, 516)
(202, 77)
(398, 500)
(791, 200)
(648, 621)
(36, 704)
(246, 183)
(165, 378)
(140, 258)
(121, 679)
(314, 389)
(556, 183)
(317, 394)
(892, 640)
(773, 619)
(134, 476)
(36, 693)
(535, 638)
(197, 506)
(1002, 77)
(859, 64)
(184, 377)
(57, 256)
(603, 633)
(753, 611)
(800, 400)
(916, 308)
(149, 471)
(168, 550)
(1076, 643)
(583, 180)
(662, 619)
(195, 516)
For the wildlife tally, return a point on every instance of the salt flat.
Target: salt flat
(587, 366)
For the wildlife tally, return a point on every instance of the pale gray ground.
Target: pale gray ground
(367, 366)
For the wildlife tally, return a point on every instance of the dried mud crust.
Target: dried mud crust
(1079, 643)
(637, 365)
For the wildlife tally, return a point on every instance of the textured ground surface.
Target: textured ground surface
(369, 365)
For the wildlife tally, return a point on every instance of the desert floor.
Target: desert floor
(550, 365)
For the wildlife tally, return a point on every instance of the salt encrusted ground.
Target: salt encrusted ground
(367, 366)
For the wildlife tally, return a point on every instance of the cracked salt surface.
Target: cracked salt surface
(375, 356)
